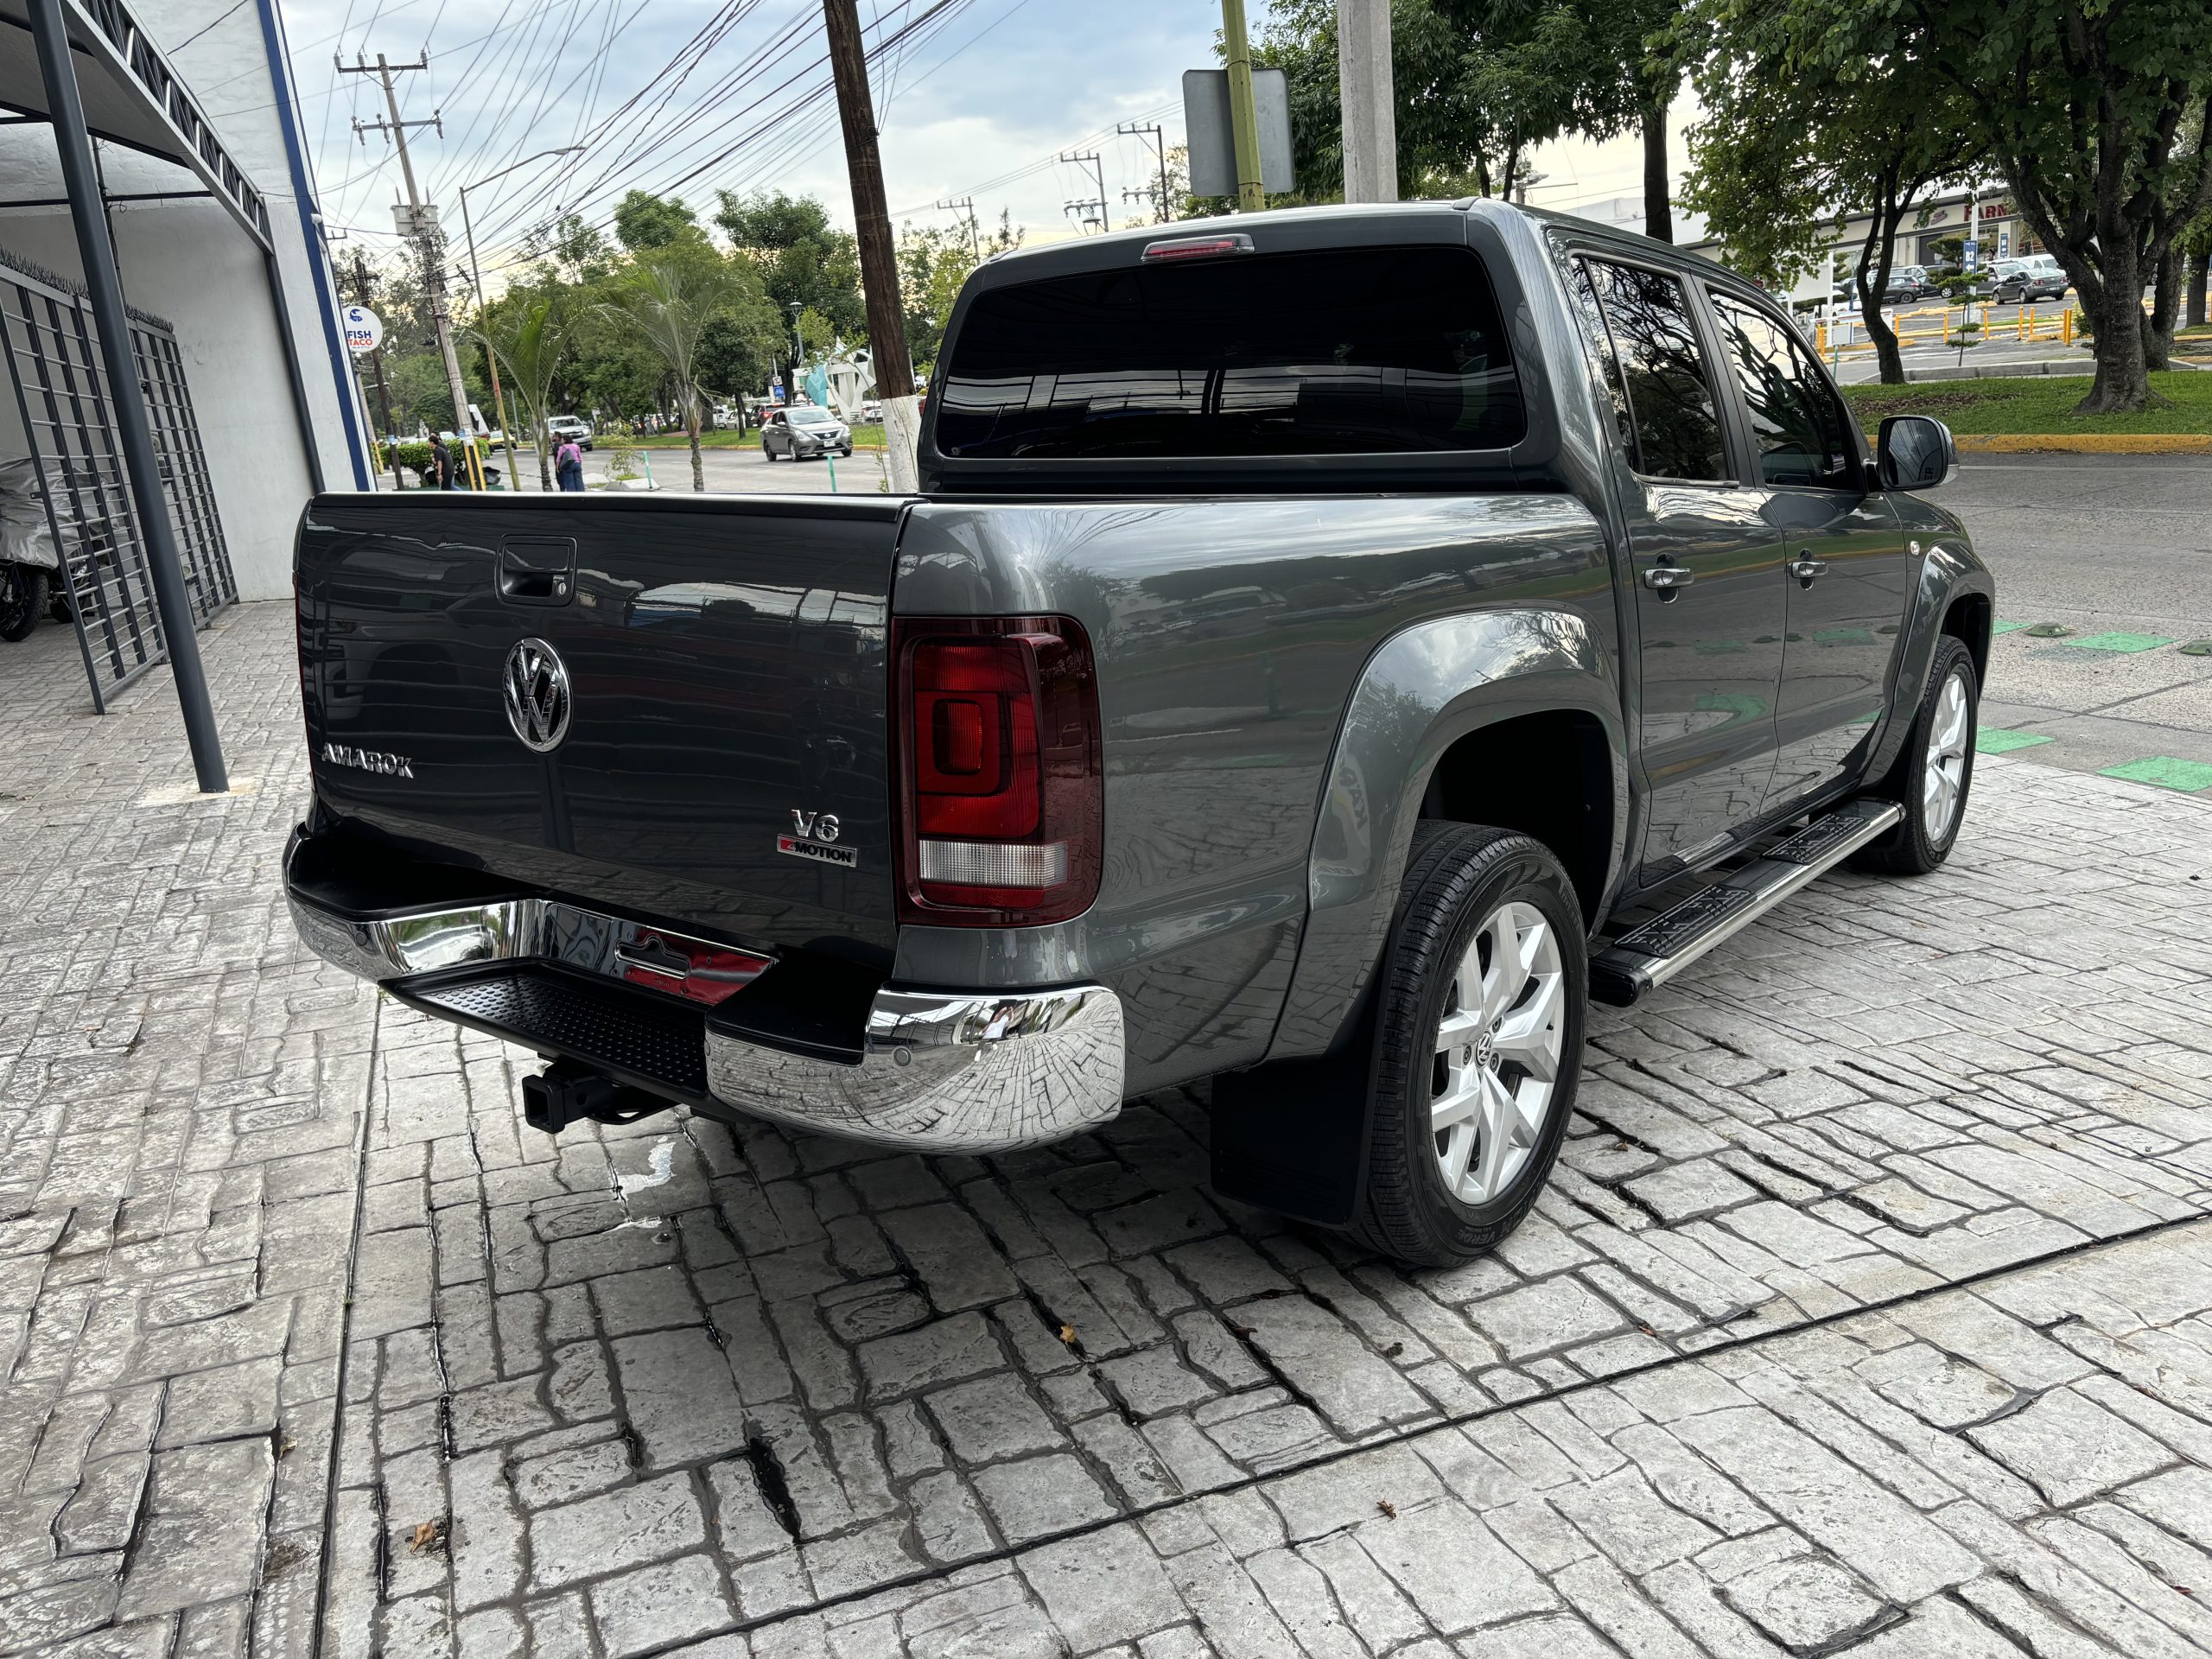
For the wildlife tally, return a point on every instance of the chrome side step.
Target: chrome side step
(1654, 952)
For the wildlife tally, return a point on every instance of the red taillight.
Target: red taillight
(1003, 797)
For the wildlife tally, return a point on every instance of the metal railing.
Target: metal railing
(62, 397)
(1953, 325)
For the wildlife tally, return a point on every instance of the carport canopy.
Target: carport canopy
(132, 98)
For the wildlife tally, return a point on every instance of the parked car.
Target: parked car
(804, 429)
(1518, 615)
(2017, 282)
(569, 428)
(872, 410)
(1918, 283)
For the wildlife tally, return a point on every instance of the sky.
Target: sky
(977, 99)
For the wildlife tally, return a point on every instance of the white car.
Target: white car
(569, 427)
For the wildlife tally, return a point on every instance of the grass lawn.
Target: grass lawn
(864, 437)
(2038, 404)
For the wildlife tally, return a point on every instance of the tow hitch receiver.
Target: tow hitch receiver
(566, 1092)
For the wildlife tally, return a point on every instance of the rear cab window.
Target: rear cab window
(1343, 351)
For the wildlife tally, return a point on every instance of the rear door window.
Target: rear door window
(1678, 432)
(1339, 352)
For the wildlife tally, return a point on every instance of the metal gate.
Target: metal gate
(63, 395)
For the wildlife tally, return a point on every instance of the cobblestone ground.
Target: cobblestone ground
(1871, 1309)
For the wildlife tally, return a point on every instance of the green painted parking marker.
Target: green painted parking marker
(2120, 642)
(2165, 771)
(1996, 740)
(2005, 627)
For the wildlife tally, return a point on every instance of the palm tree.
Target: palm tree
(531, 342)
(670, 296)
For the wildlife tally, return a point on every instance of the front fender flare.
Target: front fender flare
(1422, 691)
(1949, 570)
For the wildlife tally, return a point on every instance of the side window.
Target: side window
(1585, 300)
(1670, 400)
(1796, 424)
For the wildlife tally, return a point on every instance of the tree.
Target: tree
(643, 220)
(530, 338)
(672, 296)
(1789, 149)
(570, 251)
(934, 263)
(1478, 84)
(801, 262)
(2086, 104)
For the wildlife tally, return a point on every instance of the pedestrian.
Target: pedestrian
(441, 464)
(569, 465)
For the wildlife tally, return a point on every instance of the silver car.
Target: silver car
(802, 430)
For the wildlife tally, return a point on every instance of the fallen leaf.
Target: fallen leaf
(428, 1534)
(1387, 1506)
(1394, 1351)
(1067, 1335)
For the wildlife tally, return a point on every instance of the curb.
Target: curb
(2086, 443)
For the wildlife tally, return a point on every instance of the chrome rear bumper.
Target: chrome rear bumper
(939, 1071)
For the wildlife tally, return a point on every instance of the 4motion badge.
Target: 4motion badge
(816, 838)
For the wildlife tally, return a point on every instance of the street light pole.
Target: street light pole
(476, 280)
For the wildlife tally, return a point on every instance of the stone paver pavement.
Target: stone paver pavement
(1869, 1310)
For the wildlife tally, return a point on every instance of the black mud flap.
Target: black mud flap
(1291, 1137)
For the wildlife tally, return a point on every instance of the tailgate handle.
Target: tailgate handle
(540, 570)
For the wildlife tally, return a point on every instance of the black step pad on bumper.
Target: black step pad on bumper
(638, 1039)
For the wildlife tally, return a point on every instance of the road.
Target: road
(2119, 549)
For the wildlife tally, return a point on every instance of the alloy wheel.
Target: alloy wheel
(1497, 1054)
(1943, 779)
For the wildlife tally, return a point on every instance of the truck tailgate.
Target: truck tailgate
(725, 664)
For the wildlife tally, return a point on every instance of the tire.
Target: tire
(1467, 889)
(1932, 778)
(23, 600)
(766, 454)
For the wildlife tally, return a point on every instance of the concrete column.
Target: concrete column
(1363, 82)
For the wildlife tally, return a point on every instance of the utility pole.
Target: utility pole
(1097, 166)
(361, 296)
(887, 323)
(421, 223)
(1244, 115)
(1364, 86)
(965, 207)
(1158, 140)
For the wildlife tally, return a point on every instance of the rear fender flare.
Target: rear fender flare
(1422, 691)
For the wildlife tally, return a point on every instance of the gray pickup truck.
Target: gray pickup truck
(1328, 648)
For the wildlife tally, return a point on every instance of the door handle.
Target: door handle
(1805, 567)
(1667, 579)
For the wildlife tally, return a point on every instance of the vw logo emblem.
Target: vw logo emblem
(536, 685)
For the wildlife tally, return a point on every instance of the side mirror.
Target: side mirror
(1914, 452)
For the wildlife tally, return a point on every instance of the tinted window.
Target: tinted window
(1669, 396)
(1796, 424)
(1350, 351)
(1609, 364)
